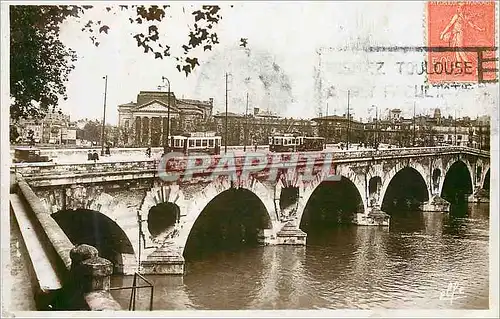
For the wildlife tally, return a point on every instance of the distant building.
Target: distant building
(257, 127)
(395, 115)
(335, 129)
(53, 128)
(31, 125)
(145, 120)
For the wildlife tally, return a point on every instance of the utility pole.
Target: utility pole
(166, 137)
(327, 121)
(480, 136)
(376, 126)
(414, 122)
(225, 138)
(455, 125)
(348, 120)
(246, 127)
(104, 114)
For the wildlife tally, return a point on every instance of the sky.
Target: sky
(278, 69)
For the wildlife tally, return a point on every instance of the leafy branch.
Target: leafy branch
(40, 63)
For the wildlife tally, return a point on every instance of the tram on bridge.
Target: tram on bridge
(196, 142)
(292, 142)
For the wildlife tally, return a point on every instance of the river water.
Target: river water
(408, 265)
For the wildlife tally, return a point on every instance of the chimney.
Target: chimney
(211, 101)
(255, 111)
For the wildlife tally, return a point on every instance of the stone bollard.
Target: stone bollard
(97, 272)
(90, 280)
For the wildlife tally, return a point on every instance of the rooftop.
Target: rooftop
(229, 114)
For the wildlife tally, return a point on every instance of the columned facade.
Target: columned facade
(145, 121)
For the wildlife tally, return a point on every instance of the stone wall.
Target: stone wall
(85, 276)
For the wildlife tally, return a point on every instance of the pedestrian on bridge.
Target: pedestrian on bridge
(95, 156)
(90, 156)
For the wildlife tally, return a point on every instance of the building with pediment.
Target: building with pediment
(144, 122)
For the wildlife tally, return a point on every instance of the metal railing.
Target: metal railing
(134, 288)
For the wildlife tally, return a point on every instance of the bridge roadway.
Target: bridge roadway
(126, 166)
(79, 155)
(125, 193)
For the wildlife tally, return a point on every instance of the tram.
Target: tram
(289, 142)
(196, 142)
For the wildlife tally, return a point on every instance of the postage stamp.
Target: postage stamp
(467, 29)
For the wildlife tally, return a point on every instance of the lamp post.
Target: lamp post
(225, 138)
(375, 135)
(414, 125)
(455, 125)
(246, 127)
(166, 137)
(348, 120)
(104, 114)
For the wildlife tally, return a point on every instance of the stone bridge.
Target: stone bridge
(137, 219)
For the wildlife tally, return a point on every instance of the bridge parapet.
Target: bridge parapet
(274, 160)
(85, 276)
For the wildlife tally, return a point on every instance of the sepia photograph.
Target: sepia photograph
(250, 159)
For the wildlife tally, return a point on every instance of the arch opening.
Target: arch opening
(233, 220)
(436, 178)
(374, 186)
(479, 171)
(332, 203)
(486, 183)
(406, 191)
(457, 184)
(162, 217)
(289, 196)
(83, 226)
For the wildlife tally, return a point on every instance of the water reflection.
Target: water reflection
(169, 293)
(405, 266)
(219, 282)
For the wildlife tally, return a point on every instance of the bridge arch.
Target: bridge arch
(161, 209)
(251, 188)
(342, 196)
(87, 226)
(450, 163)
(458, 181)
(234, 216)
(389, 176)
(95, 199)
(289, 189)
(347, 176)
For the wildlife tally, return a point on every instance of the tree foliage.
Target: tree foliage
(40, 63)
(92, 131)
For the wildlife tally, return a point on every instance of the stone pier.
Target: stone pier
(164, 260)
(436, 204)
(479, 196)
(290, 234)
(374, 217)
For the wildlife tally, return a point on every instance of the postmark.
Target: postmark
(466, 32)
